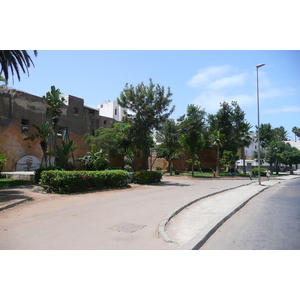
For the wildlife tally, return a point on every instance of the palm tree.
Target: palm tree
(13, 59)
(43, 133)
(216, 139)
(245, 141)
(296, 131)
(55, 104)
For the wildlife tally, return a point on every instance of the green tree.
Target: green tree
(150, 106)
(216, 139)
(192, 128)
(230, 121)
(113, 141)
(280, 134)
(296, 131)
(43, 133)
(268, 134)
(290, 156)
(55, 103)
(229, 158)
(265, 134)
(13, 60)
(168, 138)
(272, 152)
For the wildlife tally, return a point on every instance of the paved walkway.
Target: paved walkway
(179, 213)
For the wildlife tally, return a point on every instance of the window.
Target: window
(104, 122)
(116, 111)
(75, 110)
(24, 126)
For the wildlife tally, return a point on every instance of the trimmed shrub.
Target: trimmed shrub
(38, 172)
(263, 172)
(3, 160)
(64, 182)
(145, 177)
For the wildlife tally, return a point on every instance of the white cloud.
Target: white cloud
(282, 109)
(219, 83)
(228, 82)
(205, 76)
(210, 100)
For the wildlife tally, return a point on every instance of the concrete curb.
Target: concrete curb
(196, 243)
(15, 203)
(163, 224)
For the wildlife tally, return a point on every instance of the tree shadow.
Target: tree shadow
(170, 183)
(9, 195)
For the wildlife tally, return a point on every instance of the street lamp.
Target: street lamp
(258, 133)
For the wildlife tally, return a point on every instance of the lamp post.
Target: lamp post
(258, 130)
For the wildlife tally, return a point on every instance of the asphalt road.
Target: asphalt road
(270, 221)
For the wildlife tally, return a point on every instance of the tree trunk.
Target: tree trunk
(244, 161)
(218, 161)
(170, 166)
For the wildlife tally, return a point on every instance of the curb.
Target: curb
(199, 244)
(196, 243)
(15, 203)
(164, 222)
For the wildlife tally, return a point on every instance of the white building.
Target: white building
(111, 109)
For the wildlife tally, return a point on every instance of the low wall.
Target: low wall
(19, 175)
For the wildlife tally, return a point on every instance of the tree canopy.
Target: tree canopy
(192, 128)
(168, 138)
(150, 106)
(12, 60)
(230, 121)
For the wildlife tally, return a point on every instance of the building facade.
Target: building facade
(20, 110)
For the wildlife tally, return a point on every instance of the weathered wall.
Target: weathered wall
(18, 107)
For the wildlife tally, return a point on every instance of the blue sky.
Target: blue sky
(200, 77)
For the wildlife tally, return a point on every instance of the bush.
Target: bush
(2, 161)
(263, 172)
(145, 177)
(38, 172)
(64, 182)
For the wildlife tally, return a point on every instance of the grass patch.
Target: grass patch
(6, 183)
(211, 175)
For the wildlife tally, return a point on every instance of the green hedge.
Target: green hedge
(263, 172)
(144, 177)
(64, 182)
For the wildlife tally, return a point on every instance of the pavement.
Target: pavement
(184, 225)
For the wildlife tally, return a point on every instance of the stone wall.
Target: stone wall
(20, 110)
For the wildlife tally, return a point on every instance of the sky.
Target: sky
(201, 77)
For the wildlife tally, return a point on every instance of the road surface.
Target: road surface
(270, 221)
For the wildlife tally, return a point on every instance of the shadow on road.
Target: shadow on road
(169, 183)
(7, 195)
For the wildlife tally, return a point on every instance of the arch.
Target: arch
(28, 163)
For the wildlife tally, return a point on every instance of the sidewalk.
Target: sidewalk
(190, 227)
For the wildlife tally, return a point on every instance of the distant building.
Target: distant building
(111, 109)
